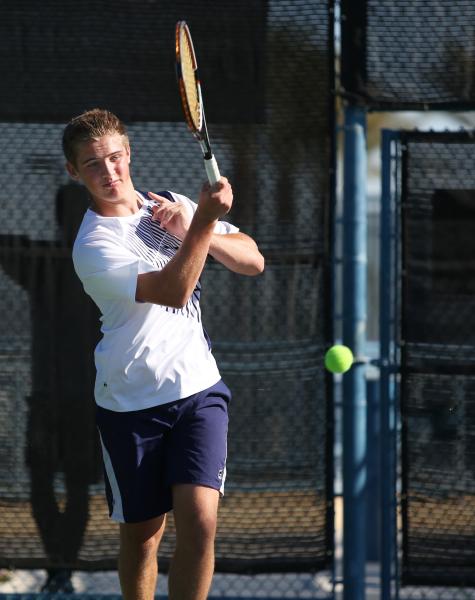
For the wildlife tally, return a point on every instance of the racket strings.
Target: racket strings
(190, 84)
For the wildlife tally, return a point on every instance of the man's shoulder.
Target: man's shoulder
(94, 226)
(95, 234)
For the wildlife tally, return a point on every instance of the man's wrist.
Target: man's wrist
(203, 221)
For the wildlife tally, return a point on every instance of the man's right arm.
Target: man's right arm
(174, 284)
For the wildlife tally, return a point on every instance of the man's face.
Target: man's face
(103, 166)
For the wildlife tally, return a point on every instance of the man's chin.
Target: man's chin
(112, 188)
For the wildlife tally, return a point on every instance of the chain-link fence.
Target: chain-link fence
(431, 259)
(271, 128)
(409, 55)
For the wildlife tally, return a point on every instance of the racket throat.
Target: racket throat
(206, 149)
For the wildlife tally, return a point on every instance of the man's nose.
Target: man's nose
(108, 169)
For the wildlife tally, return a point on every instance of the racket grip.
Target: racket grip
(212, 170)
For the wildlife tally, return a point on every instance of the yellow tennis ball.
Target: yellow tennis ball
(338, 359)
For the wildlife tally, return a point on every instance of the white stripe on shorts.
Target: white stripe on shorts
(221, 489)
(117, 510)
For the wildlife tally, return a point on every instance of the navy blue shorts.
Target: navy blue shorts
(148, 451)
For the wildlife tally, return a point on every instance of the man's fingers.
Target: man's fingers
(161, 213)
(157, 197)
(166, 212)
(157, 209)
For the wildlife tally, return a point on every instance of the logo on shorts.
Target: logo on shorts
(220, 474)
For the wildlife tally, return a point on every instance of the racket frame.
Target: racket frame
(200, 132)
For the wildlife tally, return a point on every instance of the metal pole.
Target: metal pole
(354, 336)
(388, 417)
(373, 485)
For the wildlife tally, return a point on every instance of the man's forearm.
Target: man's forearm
(174, 284)
(238, 252)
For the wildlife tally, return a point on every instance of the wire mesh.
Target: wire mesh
(416, 54)
(269, 334)
(437, 377)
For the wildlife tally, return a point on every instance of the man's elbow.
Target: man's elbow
(177, 299)
(148, 290)
(259, 264)
(255, 267)
(178, 302)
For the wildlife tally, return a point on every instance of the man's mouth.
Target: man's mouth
(111, 184)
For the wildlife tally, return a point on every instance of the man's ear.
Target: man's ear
(70, 168)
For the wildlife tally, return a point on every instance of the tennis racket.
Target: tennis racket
(191, 98)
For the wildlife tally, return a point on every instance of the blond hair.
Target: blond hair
(90, 125)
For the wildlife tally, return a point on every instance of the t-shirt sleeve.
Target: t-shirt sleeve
(108, 271)
(222, 227)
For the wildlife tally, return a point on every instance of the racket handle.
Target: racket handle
(212, 170)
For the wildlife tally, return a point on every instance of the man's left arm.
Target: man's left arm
(237, 252)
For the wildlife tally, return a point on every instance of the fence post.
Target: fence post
(388, 260)
(354, 336)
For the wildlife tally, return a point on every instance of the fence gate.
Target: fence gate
(428, 371)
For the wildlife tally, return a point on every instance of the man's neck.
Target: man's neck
(125, 207)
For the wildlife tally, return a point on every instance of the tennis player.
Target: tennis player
(161, 404)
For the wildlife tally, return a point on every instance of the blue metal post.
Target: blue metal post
(354, 336)
(373, 485)
(387, 359)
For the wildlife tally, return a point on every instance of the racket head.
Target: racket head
(188, 81)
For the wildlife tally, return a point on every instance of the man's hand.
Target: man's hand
(215, 201)
(175, 217)
(175, 282)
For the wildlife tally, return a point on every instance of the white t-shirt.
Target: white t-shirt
(149, 354)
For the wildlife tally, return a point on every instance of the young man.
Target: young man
(161, 405)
